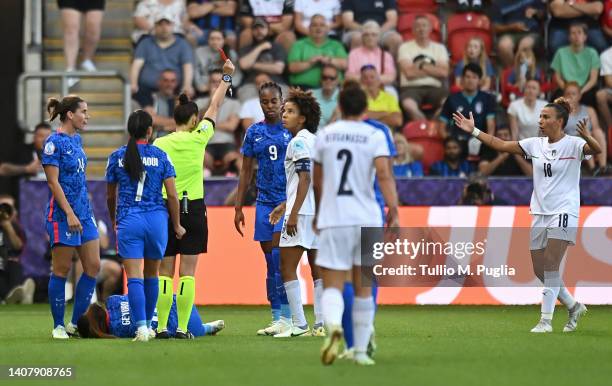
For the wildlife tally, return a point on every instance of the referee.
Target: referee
(185, 148)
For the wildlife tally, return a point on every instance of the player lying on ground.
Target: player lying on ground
(555, 202)
(114, 320)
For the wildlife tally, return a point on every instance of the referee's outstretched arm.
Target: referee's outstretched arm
(217, 98)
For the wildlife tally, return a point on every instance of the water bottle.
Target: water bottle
(185, 203)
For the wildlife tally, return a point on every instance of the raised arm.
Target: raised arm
(591, 147)
(217, 98)
(467, 125)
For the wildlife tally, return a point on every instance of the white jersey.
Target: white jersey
(556, 174)
(346, 151)
(300, 147)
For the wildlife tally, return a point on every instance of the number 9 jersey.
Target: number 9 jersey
(346, 151)
(268, 144)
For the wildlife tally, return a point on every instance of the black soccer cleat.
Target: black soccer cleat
(163, 334)
(183, 335)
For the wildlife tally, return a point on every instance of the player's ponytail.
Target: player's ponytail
(138, 124)
(352, 100)
(562, 109)
(56, 107)
(92, 324)
(184, 110)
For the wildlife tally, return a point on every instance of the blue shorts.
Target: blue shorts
(143, 235)
(263, 228)
(60, 234)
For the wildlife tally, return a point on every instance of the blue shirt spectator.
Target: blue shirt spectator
(453, 164)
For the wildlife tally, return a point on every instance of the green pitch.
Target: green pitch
(445, 345)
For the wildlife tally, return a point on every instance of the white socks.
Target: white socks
(552, 283)
(363, 318)
(333, 306)
(292, 288)
(318, 295)
(566, 298)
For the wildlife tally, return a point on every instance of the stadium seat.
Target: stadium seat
(405, 21)
(425, 133)
(463, 26)
(417, 6)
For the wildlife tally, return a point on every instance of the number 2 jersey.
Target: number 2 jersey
(144, 195)
(268, 144)
(346, 151)
(556, 174)
(66, 153)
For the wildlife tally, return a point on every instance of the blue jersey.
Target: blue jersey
(144, 195)
(268, 144)
(66, 153)
(392, 153)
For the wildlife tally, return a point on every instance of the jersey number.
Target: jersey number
(342, 191)
(563, 220)
(140, 188)
(273, 152)
(547, 170)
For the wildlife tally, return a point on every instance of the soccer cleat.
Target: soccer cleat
(262, 331)
(371, 350)
(329, 350)
(298, 331)
(141, 336)
(574, 315)
(318, 330)
(71, 330)
(152, 333)
(59, 332)
(543, 326)
(363, 359)
(183, 335)
(284, 329)
(272, 329)
(163, 334)
(216, 326)
(348, 354)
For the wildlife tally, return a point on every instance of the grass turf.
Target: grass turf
(417, 345)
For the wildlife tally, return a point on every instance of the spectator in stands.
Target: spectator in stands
(146, 14)
(222, 146)
(606, 19)
(423, 70)
(251, 111)
(578, 113)
(327, 95)
(453, 164)
(404, 164)
(13, 288)
(210, 15)
(304, 10)
(161, 106)
(493, 163)
(92, 13)
(525, 67)
(604, 96)
(567, 12)
(517, 24)
(28, 161)
(356, 12)
(577, 63)
(478, 192)
(370, 52)
(262, 55)
(308, 55)
(207, 58)
(465, 6)
(155, 54)
(382, 106)
(468, 101)
(475, 52)
(278, 16)
(524, 113)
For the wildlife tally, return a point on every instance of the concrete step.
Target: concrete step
(86, 86)
(111, 28)
(96, 169)
(99, 153)
(111, 139)
(103, 60)
(97, 98)
(105, 44)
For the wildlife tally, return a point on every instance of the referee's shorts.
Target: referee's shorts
(195, 241)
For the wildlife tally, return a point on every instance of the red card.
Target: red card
(222, 53)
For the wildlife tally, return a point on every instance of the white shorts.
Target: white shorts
(339, 248)
(305, 236)
(554, 226)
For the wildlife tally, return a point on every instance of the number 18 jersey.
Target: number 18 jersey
(346, 151)
(267, 143)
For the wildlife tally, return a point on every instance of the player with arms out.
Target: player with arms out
(349, 155)
(301, 114)
(70, 222)
(555, 201)
(135, 175)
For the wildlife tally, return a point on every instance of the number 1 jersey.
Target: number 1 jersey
(346, 151)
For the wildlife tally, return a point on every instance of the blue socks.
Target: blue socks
(280, 286)
(82, 296)
(151, 292)
(348, 294)
(271, 287)
(136, 297)
(57, 299)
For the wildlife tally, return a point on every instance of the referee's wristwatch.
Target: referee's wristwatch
(227, 78)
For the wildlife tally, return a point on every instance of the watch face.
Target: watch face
(227, 78)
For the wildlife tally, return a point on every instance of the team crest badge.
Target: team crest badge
(478, 108)
(49, 148)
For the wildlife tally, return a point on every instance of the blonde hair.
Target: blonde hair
(482, 58)
(406, 158)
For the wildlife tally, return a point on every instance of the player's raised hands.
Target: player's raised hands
(466, 124)
(582, 128)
